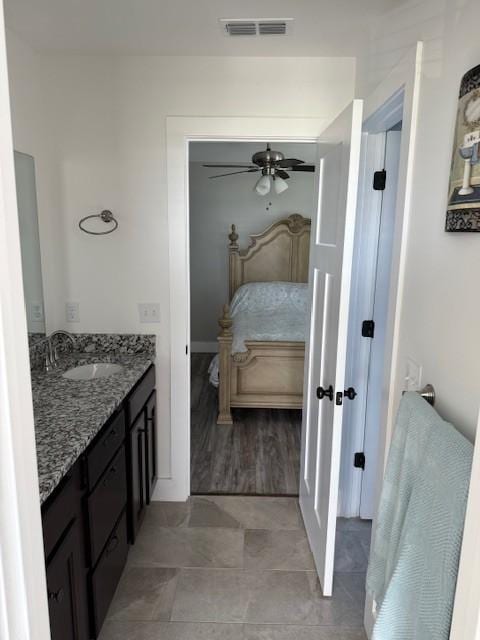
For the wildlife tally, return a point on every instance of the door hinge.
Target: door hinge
(368, 328)
(186, 349)
(379, 180)
(359, 460)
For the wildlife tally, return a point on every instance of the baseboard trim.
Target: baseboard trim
(204, 347)
(168, 490)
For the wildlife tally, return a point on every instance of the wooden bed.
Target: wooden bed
(268, 374)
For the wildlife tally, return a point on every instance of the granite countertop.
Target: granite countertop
(70, 413)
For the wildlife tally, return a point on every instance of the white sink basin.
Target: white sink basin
(93, 371)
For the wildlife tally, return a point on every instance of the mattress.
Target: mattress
(268, 311)
(273, 311)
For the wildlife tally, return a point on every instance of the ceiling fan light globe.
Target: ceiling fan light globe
(262, 186)
(280, 185)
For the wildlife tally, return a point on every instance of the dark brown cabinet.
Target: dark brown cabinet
(107, 573)
(138, 476)
(67, 602)
(151, 426)
(141, 455)
(95, 512)
(106, 503)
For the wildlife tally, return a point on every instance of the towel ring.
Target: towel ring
(107, 216)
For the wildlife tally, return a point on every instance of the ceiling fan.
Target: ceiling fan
(273, 166)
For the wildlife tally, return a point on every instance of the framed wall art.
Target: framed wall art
(463, 210)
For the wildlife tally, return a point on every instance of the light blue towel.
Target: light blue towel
(413, 564)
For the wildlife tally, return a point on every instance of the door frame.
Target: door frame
(364, 292)
(180, 132)
(402, 85)
(23, 587)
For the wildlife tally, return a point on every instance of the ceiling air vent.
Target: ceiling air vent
(241, 28)
(256, 26)
(276, 28)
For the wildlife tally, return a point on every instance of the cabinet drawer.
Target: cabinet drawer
(140, 394)
(108, 571)
(106, 502)
(62, 507)
(103, 449)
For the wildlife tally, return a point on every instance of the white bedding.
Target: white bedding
(269, 311)
(273, 311)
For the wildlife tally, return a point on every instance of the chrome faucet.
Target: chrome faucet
(51, 358)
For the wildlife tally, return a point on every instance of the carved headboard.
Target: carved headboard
(279, 253)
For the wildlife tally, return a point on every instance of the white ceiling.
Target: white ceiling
(191, 27)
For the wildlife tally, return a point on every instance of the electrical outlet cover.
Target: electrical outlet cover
(36, 311)
(149, 312)
(72, 312)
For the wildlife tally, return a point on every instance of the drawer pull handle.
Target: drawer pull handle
(112, 434)
(56, 596)
(112, 470)
(112, 544)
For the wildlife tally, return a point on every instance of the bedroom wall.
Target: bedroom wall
(214, 206)
(441, 305)
(97, 131)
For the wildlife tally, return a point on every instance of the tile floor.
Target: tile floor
(236, 568)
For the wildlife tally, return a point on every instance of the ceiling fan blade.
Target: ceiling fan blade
(230, 166)
(289, 162)
(234, 173)
(303, 167)
(282, 174)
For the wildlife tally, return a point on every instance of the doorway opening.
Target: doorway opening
(254, 448)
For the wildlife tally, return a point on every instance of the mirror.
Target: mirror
(30, 245)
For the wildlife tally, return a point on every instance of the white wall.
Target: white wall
(97, 132)
(34, 133)
(441, 305)
(216, 204)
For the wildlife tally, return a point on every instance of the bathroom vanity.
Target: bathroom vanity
(94, 406)
(96, 480)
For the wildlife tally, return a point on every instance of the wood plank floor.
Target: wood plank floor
(258, 455)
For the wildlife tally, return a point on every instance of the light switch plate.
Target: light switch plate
(72, 312)
(413, 376)
(36, 311)
(149, 311)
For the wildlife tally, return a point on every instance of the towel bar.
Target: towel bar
(427, 393)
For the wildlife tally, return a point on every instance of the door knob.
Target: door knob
(350, 393)
(325, 393)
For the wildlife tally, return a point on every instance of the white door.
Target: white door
(331, 255)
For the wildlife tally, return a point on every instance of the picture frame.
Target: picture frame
(463, 209)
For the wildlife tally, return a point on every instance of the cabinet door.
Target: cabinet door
(138, 476)
(151, 444)
(106, 503)
(66, 585)
(106, 574)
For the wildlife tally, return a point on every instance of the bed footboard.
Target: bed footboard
(267, 375)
